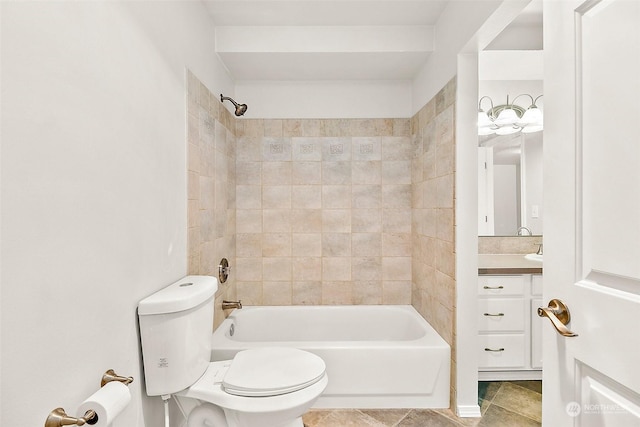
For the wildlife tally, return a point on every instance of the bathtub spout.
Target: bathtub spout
(228, 305)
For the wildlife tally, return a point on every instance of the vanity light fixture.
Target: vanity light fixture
(509, 118)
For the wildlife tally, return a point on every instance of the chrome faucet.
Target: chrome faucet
(539, 250)
(228, 305)
(521, 229)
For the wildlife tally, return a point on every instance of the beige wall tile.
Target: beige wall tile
(396, 172)
(396, 268)
(307, 292)
(276, 245)
(337, 173)
(396, 244)
(336, 196)
(249, 245)
(366, 196)
(366, 220)
(366, 244)
(337, 293)
(396, 292)
(276, 293)
(249, 221)
(336, 268)
(306, 149)
(307, 244)
(276, 149)
(366, 268)
(366, 148)
(336, 149)
(248, 269)
(307, 269)
(336, 220)
(250, 293)
(367, 292)
(248, 196)
(276, 196)
(336, 244)
(276, 269)
(306, 196)
(366, 172)
(396, 196)
(397, 148)
(276, 220)
(306, 220)
(306, 173)
(276, 173)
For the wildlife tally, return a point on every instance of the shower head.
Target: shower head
(240, 108)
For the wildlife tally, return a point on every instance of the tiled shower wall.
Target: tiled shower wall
(344, 211)
(211, 190)
(324, 211)
(433, 216)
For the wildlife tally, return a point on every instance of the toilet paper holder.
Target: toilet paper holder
(58, 417)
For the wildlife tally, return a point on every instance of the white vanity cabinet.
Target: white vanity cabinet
(509, 345)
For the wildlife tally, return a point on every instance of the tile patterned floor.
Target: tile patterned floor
(502, 404)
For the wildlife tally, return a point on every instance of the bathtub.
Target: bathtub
(376, 356)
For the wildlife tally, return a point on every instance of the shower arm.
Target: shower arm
(226, 98)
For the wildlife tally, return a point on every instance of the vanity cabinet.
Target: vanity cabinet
(509, 330)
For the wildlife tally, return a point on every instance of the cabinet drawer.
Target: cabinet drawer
(501, 351)
(501, 314)
(501, 285)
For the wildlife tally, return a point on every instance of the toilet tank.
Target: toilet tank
(176, 324)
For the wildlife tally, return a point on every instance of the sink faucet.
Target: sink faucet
(228, 305)
(521, 229)
(539, 250)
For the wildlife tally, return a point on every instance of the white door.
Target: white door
(592, 207)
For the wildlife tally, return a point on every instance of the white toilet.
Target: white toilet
(260, 387)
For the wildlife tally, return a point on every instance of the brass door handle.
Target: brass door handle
(558, 313)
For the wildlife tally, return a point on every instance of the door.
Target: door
(592, 207)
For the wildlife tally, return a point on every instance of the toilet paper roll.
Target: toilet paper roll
(107, 402)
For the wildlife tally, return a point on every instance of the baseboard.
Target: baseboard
(468, 411)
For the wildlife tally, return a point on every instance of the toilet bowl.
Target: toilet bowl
(261, 387)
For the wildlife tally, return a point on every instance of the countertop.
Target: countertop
(507, 264)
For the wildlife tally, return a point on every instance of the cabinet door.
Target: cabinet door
(536, 334)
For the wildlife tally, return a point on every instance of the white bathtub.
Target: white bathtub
(376, 356)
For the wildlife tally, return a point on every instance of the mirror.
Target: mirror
(510, 166)
(510, 184)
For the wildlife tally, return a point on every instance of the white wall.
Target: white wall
(532, 172)
(457, 25)
(353, 99)
(93, 190)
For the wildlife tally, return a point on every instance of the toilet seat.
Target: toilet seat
(208, 388)
(272, 371)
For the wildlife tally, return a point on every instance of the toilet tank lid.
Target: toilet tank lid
(186, 293)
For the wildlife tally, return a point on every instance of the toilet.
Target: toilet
(270, 386)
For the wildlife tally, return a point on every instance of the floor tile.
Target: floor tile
(519, 400)
(531, 385)
(388, 417)
(488, 389)
(312, 418)
(347, 418)
(500, 417)
(426, 417)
